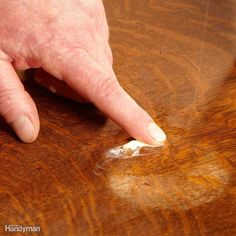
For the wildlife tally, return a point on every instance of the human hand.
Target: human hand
(68, 40)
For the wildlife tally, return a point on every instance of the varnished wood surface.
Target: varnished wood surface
(177, 59)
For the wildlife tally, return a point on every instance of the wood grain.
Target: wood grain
(177, 59)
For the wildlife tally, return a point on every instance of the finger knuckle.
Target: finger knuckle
(106, 88)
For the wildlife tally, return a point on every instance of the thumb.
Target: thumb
(102, 88)
(16, 105)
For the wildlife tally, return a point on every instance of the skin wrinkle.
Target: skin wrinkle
(6, 104)
(106, 88)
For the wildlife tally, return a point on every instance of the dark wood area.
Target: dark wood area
(177, 59)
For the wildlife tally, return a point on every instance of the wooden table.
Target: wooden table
(177, 59)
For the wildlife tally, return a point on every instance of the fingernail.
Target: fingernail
(24, 128)
(52, 89)
(156, 132)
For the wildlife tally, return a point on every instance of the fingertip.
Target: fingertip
(25, 129)
(157, 134)
(146, 130)
(16, 105)
(122, 109)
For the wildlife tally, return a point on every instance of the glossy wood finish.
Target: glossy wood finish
(176, 58)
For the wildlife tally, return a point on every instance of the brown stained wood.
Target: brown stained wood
(177, 59)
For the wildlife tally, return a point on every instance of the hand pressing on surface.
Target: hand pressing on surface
(69, 41)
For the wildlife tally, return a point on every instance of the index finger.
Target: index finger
(89, 79)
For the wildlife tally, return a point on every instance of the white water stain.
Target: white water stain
(130, 149)
(179, 190)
